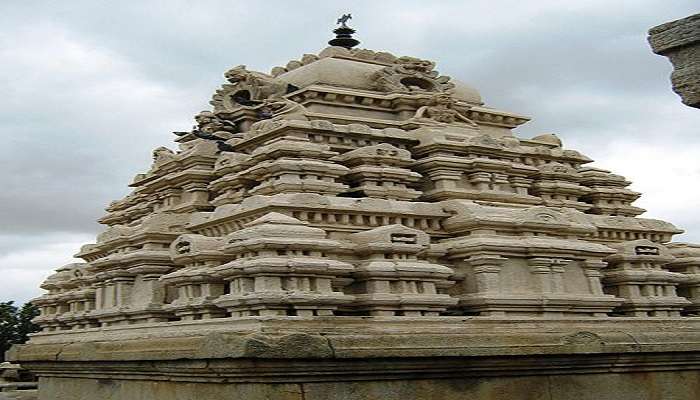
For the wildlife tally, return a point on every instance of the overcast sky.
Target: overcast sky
(89, 88)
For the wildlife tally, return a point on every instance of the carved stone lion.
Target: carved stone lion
(246, 88)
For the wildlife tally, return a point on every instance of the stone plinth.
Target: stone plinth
(381, 357)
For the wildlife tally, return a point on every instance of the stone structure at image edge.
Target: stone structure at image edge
(680, 42)
(354, 205)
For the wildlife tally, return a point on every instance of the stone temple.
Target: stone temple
(355, 225)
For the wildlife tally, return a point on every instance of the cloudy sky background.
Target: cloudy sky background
(89, 88)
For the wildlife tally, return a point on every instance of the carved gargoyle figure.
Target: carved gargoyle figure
(442, 108)
(410, 74)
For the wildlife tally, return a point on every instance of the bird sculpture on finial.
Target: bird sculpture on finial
(343, 19)
(343, 34)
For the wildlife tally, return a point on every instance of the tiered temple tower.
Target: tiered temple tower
(354, 225)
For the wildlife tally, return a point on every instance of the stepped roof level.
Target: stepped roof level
(357, 205)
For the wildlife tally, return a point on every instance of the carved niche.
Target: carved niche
(409, 75)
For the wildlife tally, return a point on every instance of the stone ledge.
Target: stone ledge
(371, 369)
(362, 338)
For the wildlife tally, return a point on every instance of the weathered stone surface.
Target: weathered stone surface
(680, 42)
(93, 389)
(636, 386)
(645, 385)
(20, 395)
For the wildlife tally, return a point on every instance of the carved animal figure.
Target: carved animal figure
(413, 65)
(442, 108)
(277, 109)
(260, 86)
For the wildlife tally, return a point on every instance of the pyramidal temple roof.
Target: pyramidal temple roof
(355, 182)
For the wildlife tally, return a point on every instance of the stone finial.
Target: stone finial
(343, 34)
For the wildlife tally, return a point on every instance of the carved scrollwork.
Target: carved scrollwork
(183, 247)
(582, 338)
(556, 168)
(486, 140)
(542, 215)
(545, 217)
(383, 153)
(410, 75)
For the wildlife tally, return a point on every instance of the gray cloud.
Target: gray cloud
(91, 87)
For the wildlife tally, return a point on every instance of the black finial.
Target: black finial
(343, 34)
